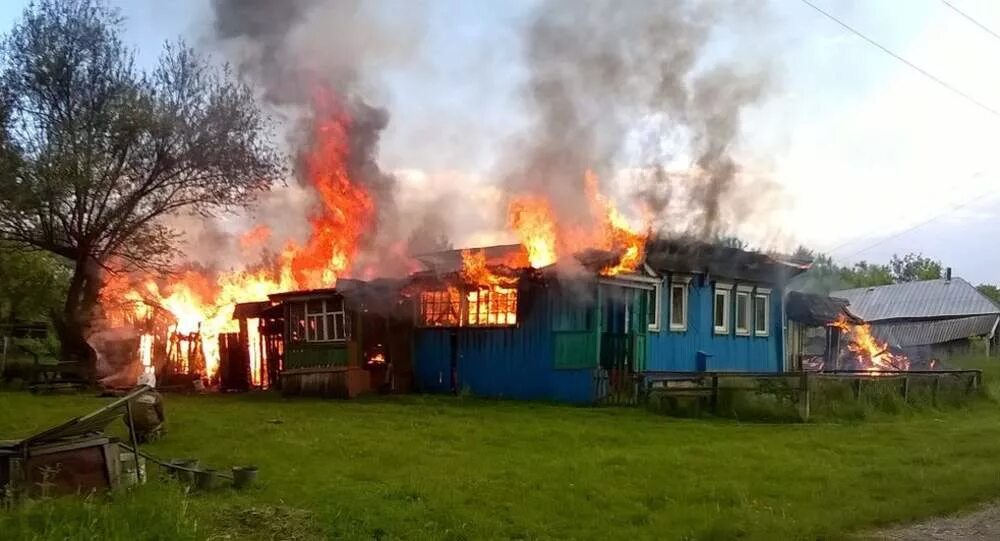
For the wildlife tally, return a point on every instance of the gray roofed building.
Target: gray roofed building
(918, 300)
(937, 316)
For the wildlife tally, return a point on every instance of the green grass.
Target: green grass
(452, 468)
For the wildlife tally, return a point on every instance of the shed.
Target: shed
(812, 342)
(928, 318)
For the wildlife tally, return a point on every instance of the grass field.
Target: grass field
(451, 468)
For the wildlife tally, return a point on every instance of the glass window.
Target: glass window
(481, 307)
(324, 320)
(743, 313)
(653, 307)
(721, 311)
(761, 315)
(678, 307)
(296, 321)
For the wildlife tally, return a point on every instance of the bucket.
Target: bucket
(129, 477)
(244, 476)
(184, 476)
(204, 479)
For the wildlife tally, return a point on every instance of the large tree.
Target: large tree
(96, 152)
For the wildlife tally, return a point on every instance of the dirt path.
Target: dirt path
(980, 525)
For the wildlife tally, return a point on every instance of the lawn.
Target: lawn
(452, 468)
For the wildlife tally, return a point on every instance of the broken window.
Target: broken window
(442, 308)
(480, 307)
(491, 306)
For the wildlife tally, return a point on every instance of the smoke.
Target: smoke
(288, 49)
(616, 86)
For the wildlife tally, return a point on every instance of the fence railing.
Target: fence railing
(800, 387)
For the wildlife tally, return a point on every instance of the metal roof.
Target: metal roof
(921, 333)
(918, 300)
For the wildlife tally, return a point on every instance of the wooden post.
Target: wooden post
(135, 442)
(857, 388)
(715, 393)
(804, 396)
(934, 395)
(906, 388)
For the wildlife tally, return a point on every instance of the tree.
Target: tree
(32, 283)
(913, 267)
(864, 274)
(96, 152)
(992, 292)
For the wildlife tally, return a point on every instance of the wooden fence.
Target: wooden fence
(800, 385)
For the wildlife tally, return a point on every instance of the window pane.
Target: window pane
(335, 305)
(332, 331)
(677, 315)
(760, 313)
(720, 310)
(297, 321)
(313, 324)
(742, 311)
(315, 306)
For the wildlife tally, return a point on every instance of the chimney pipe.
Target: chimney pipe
(947, 274)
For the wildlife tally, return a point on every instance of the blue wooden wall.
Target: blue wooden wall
(678, 351)
(510, 362)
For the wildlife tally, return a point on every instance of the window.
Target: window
(678, 306)
(762, 312)
(721, 311)
(440, 308)
(325, 320)
(743, 310)
(653, 307)
(481, 307)
(317, 320)
(491, 306)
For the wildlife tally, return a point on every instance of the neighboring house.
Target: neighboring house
(929, 319)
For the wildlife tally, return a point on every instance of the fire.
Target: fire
(202, 303)
(545, 238)
(533, 220)
(494, 301)
(378, 358)
(872, 354)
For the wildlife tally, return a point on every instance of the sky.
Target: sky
(868, 157)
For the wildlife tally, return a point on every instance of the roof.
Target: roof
(446, 261)
(817, 310)
(922, 333)
(926, 299)
(693, 256)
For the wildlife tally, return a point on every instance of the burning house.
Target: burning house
(928, 319)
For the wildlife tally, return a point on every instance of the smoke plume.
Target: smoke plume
(631, 86)
(288, 49)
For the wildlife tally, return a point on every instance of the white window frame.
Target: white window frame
(762, 293)
(679, 283)
(657, 294)
(726, 291)
(745, 292)
(326, 334)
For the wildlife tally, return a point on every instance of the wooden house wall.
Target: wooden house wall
(678, 350)
(509, 362)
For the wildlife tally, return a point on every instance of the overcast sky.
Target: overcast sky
(870, 157)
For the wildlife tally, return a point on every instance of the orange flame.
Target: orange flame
(546, 238)
(494, 302)
(344, 212)
(873, 354)
(378, 358)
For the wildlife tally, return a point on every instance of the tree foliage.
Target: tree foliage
(32, 284)
(990, 291)
(912, 267)
(95, 153)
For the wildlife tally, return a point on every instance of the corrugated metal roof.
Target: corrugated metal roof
(921, 333)
(923, 299)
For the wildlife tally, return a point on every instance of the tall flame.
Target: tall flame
(546, 238)
(202, 303)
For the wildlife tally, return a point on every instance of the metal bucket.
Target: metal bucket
(184, 476)
(205, 479)
(129, 477)
(244, 476)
